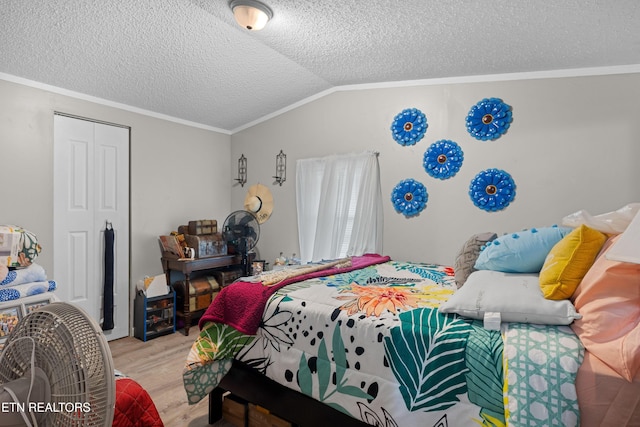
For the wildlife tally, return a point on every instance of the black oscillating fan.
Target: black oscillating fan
(241, 231)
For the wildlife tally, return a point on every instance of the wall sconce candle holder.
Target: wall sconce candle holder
(281, 168)
(242, 170)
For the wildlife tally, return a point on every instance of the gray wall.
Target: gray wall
(574, 144)
(178, 172)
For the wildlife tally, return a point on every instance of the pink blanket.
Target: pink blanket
(241, 304)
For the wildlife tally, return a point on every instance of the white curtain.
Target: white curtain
(339, 206)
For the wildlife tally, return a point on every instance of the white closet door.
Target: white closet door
(91, 189)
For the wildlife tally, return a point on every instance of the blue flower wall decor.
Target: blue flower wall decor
(443, 159)
(489, 119)
(409, 197)
(409, 126)
(492, 190)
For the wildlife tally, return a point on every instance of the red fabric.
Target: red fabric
(134, 407)
(241, 304)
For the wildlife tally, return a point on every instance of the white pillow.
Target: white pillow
(516, 296)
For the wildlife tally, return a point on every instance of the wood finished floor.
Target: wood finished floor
(157, 366)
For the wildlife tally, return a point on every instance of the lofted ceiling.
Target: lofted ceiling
(189, 60)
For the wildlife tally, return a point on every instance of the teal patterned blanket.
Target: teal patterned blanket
(372, 344)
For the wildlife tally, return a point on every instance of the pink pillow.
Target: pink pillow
(609, 300)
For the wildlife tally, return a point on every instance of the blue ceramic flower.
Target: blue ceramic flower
(492, 190)
(409, 197)
(489, 119)
(443, 159)
(409, 126)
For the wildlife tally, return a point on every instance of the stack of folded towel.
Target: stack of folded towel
(19, 275)
(24, 282)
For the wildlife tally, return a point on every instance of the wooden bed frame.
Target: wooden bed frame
(297, 408)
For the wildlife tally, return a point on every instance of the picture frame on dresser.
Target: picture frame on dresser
(30, 307)
(9, 318)
(257, 266)
(11, 312)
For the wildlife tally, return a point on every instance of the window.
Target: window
(339, 206)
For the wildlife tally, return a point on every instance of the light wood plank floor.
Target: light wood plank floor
(157, 366)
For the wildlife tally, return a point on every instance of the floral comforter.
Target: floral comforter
(371, 343)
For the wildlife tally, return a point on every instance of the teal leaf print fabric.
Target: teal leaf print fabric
(324, 373)
(427, 356)
(484, 379)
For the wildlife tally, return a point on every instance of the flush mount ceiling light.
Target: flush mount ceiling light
(251, 14)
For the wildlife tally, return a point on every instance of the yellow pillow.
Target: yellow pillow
(568, 262)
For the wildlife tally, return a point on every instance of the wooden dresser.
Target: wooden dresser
(185, 269)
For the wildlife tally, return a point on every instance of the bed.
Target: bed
(373, 341)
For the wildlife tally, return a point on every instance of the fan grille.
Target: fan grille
(241, 231)
(74, 354)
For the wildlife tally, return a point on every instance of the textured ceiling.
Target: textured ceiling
(188, 59)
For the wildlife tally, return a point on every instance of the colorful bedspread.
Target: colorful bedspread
(371, 343)
(242, 304)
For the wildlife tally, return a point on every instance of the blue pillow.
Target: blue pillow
(522, 252)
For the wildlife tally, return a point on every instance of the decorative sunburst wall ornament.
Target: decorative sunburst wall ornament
(489, 119)
(409, 126)
(409, 197)
(492, 190)
(443, 159)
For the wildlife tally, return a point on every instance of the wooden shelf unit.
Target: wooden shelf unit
(155, 316)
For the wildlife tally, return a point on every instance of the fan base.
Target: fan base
(40, 395)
